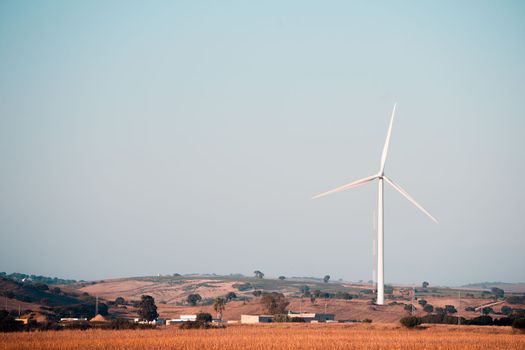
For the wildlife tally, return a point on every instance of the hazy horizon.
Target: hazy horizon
(178, 137)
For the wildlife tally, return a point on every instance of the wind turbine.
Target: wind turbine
(380, 208)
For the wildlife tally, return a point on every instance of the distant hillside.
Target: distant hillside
(38, 293)
(507, 287)
(54, 302)
(345, 300)
(22, 277)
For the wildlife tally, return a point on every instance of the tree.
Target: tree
(428, 308)
(440, 311)
(274, 303)
(498, 292)
(305, 290)
(506, 310)
(8, 323)
(282, 278)
(203, 317)
(422, 302)
(41, 286)
(231, 295)
(410, 321)
(450, 309)
(147, 308)
(312, 299)
(120, 301)
(424, 284)
(219, 305)
(516, 299)
(482, 321)
(256, 293)
(487, 310)
(193, 299)
(343, 295)
(56, 290)
(409, 308)
(326, 278)
(258, 274)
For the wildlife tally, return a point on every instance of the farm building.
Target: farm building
(72, 319)
(250, 319)
(312, 317)
(183, 318)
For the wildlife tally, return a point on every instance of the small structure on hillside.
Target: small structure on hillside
(251, 319)
(98, 318)
(312, 317)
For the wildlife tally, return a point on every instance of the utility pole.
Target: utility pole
(459, 308)
(413, 300)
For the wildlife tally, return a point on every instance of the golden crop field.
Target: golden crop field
(275, 336)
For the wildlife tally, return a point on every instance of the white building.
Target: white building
(251, 319)
(183, 318)
(312, 317)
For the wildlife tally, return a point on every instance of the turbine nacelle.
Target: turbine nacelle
(380, 175)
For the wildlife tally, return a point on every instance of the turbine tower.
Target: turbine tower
(380, 208)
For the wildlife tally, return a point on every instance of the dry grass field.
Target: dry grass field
(274, 336)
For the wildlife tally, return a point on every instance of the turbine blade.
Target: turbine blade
(387, 141)
(407, 196)
(347, 186)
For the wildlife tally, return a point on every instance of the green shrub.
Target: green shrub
(481, 321)
(8, 323)
(487, 310)
(194, 325)
(519, 324)
(432, 318)
(204, 317)
(243, 286)
(450, 309)
(409, 307)
(516, 299)
(506, 310)
(410, 321)
(504, 321)
(121, 323)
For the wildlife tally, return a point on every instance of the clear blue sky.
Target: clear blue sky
(188, 136)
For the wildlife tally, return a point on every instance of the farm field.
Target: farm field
(274, 336)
